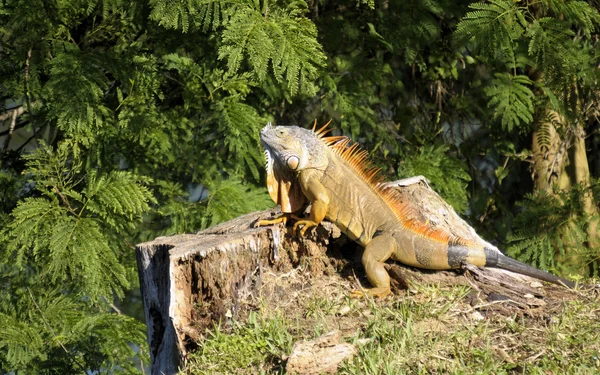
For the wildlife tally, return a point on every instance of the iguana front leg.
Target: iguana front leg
(317, 194)
(375, 254)
(283, 218)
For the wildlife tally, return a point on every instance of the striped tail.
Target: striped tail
(496, 259)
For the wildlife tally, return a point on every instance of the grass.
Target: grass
(430, 330)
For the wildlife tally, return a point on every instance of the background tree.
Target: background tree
(125, 120)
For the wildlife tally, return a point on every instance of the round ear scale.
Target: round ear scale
(293, 162)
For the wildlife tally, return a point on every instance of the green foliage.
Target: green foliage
(203, 14)
(493, 28)
(227, 199)
(63, 258)
(551, 232)
(75, 233)
(45, 330)
(447, 175)
(536, 38)
(232, 193)
(277, 37)
(511, 99)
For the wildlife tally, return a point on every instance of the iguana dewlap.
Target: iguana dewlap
(336, 178)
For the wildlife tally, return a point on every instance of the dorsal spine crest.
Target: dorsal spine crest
(357, 159)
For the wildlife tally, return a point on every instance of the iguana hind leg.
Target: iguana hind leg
(376, 253)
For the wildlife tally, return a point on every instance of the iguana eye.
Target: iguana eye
(292, 162)
(280, 132)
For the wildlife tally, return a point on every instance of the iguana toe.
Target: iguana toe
(307, 225)
(263, 223)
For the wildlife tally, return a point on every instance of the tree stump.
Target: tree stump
(190, 281)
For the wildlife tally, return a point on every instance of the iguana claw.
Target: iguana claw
(263, 223)
(283, 218)
(307, 224)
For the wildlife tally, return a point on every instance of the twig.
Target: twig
(26, 80)
(17, 127)
(26, 87)
(117, 310)
(8, 114)
(13, 123)
(533, 358)
(65, 201)
(442, 358)
(30, 138)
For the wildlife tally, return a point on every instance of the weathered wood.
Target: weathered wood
(322, 355)
(190, 281)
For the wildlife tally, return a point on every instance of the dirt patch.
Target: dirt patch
(319, 295)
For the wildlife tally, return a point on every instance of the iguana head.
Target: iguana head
(290, 150)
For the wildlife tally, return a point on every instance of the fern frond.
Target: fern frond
(548, 36)
(492, 27)
(118, 195)
(579, 14)
(447, 175)
(30, 218)
(75, 91)
(72, 230)
(550, 229)
(283, 39)
(78, 248)
(238, 127)
(231, 198)
(188, 14)
(49, 329)
(511, 99)
(22, 341)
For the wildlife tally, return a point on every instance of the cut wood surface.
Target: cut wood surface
(190, 281)
(319, 356)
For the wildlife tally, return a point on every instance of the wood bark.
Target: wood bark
(560, 160)
(550, 153)
(190, 281)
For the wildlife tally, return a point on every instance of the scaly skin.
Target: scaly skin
(303, 165)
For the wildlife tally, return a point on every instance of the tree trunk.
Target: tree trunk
(561, 161)
(550, 153)
(581, 173)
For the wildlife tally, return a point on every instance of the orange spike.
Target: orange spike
(321, 132)
(314, 125)
(357, 159)
(333, 139)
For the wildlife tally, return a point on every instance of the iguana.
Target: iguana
(306, 166)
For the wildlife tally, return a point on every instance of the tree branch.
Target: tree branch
(6, 115)
(26, 92)
(13, 123)
(30, 138)
(17, 127)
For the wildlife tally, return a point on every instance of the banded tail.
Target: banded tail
(496, 259)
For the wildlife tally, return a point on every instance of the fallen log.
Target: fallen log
(190, 281)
